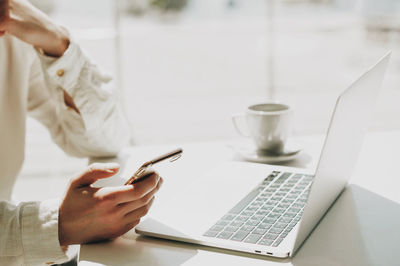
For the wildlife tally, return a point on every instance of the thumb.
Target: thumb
(94, 172)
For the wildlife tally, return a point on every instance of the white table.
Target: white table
(367, 239)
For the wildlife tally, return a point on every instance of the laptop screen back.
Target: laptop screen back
(346, 132)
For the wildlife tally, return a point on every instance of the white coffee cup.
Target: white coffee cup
(268, 124)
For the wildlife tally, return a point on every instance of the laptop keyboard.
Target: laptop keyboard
(268, 213)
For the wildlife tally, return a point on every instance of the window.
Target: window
(184, 67)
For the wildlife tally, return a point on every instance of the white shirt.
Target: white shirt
(33, 84)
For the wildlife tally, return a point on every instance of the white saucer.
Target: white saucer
(249, 152)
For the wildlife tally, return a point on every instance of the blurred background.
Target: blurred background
(183, 67)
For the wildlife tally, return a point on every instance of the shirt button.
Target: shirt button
(60, 72)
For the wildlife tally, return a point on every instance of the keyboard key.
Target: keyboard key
(217, 228)
(293, 209)
(266, 194)
(274, 215)
(264, 226)
(280, 225)
(259, 231)
(257, 218)
(270, 236)
(253, 238)
(283, 205)
(297, 176)
(270, 220)
(210, 233)
(252, 222)
(303, 196)
(237, 223)
(263, 213)
(293, 224)
(225, 235)
(246, 213)
(308, 177)
(298, 205)
(247, 227)
(271, 203)
(287, 229)
(241, 218)
(288, 186)
(266, 208)
(265, 242)
(287, 201)
(277, 198)
(269, 179)
(257, 203)
(283, 235)
(279, 210)
(240, 235)
(231, 228)
(277, 242)
(285, 220)
(283, 177)
(275, 230)
(289, 215)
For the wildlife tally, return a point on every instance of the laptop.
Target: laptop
(267, 209)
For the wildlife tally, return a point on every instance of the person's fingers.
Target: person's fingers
(94, 172)
(131, 192)
(139, 213)
(128, 207)
(146, 185)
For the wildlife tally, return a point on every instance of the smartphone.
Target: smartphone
(146, 169)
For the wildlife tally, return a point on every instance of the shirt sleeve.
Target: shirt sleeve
(29, 234)
(100, 128)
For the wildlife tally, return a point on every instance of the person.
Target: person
(44, 74)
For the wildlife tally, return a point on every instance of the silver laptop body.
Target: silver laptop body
(266, 209)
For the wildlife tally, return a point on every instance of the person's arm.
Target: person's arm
(76, 102)
(29, 234)
(68, 93)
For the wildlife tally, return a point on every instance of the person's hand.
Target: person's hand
(89, 214)
(21, 19)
